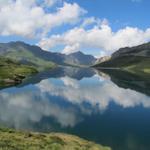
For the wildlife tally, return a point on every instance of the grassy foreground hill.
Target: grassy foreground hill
(12, 72)
(18, 140)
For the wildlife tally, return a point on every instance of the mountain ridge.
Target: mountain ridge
(133, 59)
(140, 50)
(25, 52)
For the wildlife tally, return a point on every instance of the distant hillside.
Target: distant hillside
(78, 58)
(141, 50)
(134, 59)
(34, 55)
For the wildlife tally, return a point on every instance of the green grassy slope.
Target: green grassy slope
(12, 72)
(29, 58)
(142, 64)
(132, 59)
(11, 139)
(134, 64)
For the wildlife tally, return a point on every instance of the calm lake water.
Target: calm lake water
(110, 107)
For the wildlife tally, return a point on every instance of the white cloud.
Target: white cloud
(71, 48)
(90, 20)
(28, 19)
(94, 21)
(31, 19)
(49, 3)
(101, 37)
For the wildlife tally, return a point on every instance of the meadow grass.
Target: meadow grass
(19, 140)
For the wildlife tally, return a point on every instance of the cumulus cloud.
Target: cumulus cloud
(101, 37)
(50, 2)
(95, 21)
(35, 19)
(29, 19)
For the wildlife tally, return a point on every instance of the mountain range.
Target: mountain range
(34, 55)
(19, 58)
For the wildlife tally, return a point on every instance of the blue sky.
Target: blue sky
(97, 27)
(119, 12)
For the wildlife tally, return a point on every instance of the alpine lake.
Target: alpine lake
(108, 107)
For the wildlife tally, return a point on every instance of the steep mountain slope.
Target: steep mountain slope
(34, 55)
(25, 54)
(134, 59)
(141, 50)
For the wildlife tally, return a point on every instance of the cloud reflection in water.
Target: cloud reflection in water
(32, 103)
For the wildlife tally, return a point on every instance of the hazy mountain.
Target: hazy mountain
(78, 58)
(103, 59)
(34, 55)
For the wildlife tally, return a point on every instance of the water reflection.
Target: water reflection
(72, 72)
(137, 82)
(79, 101)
